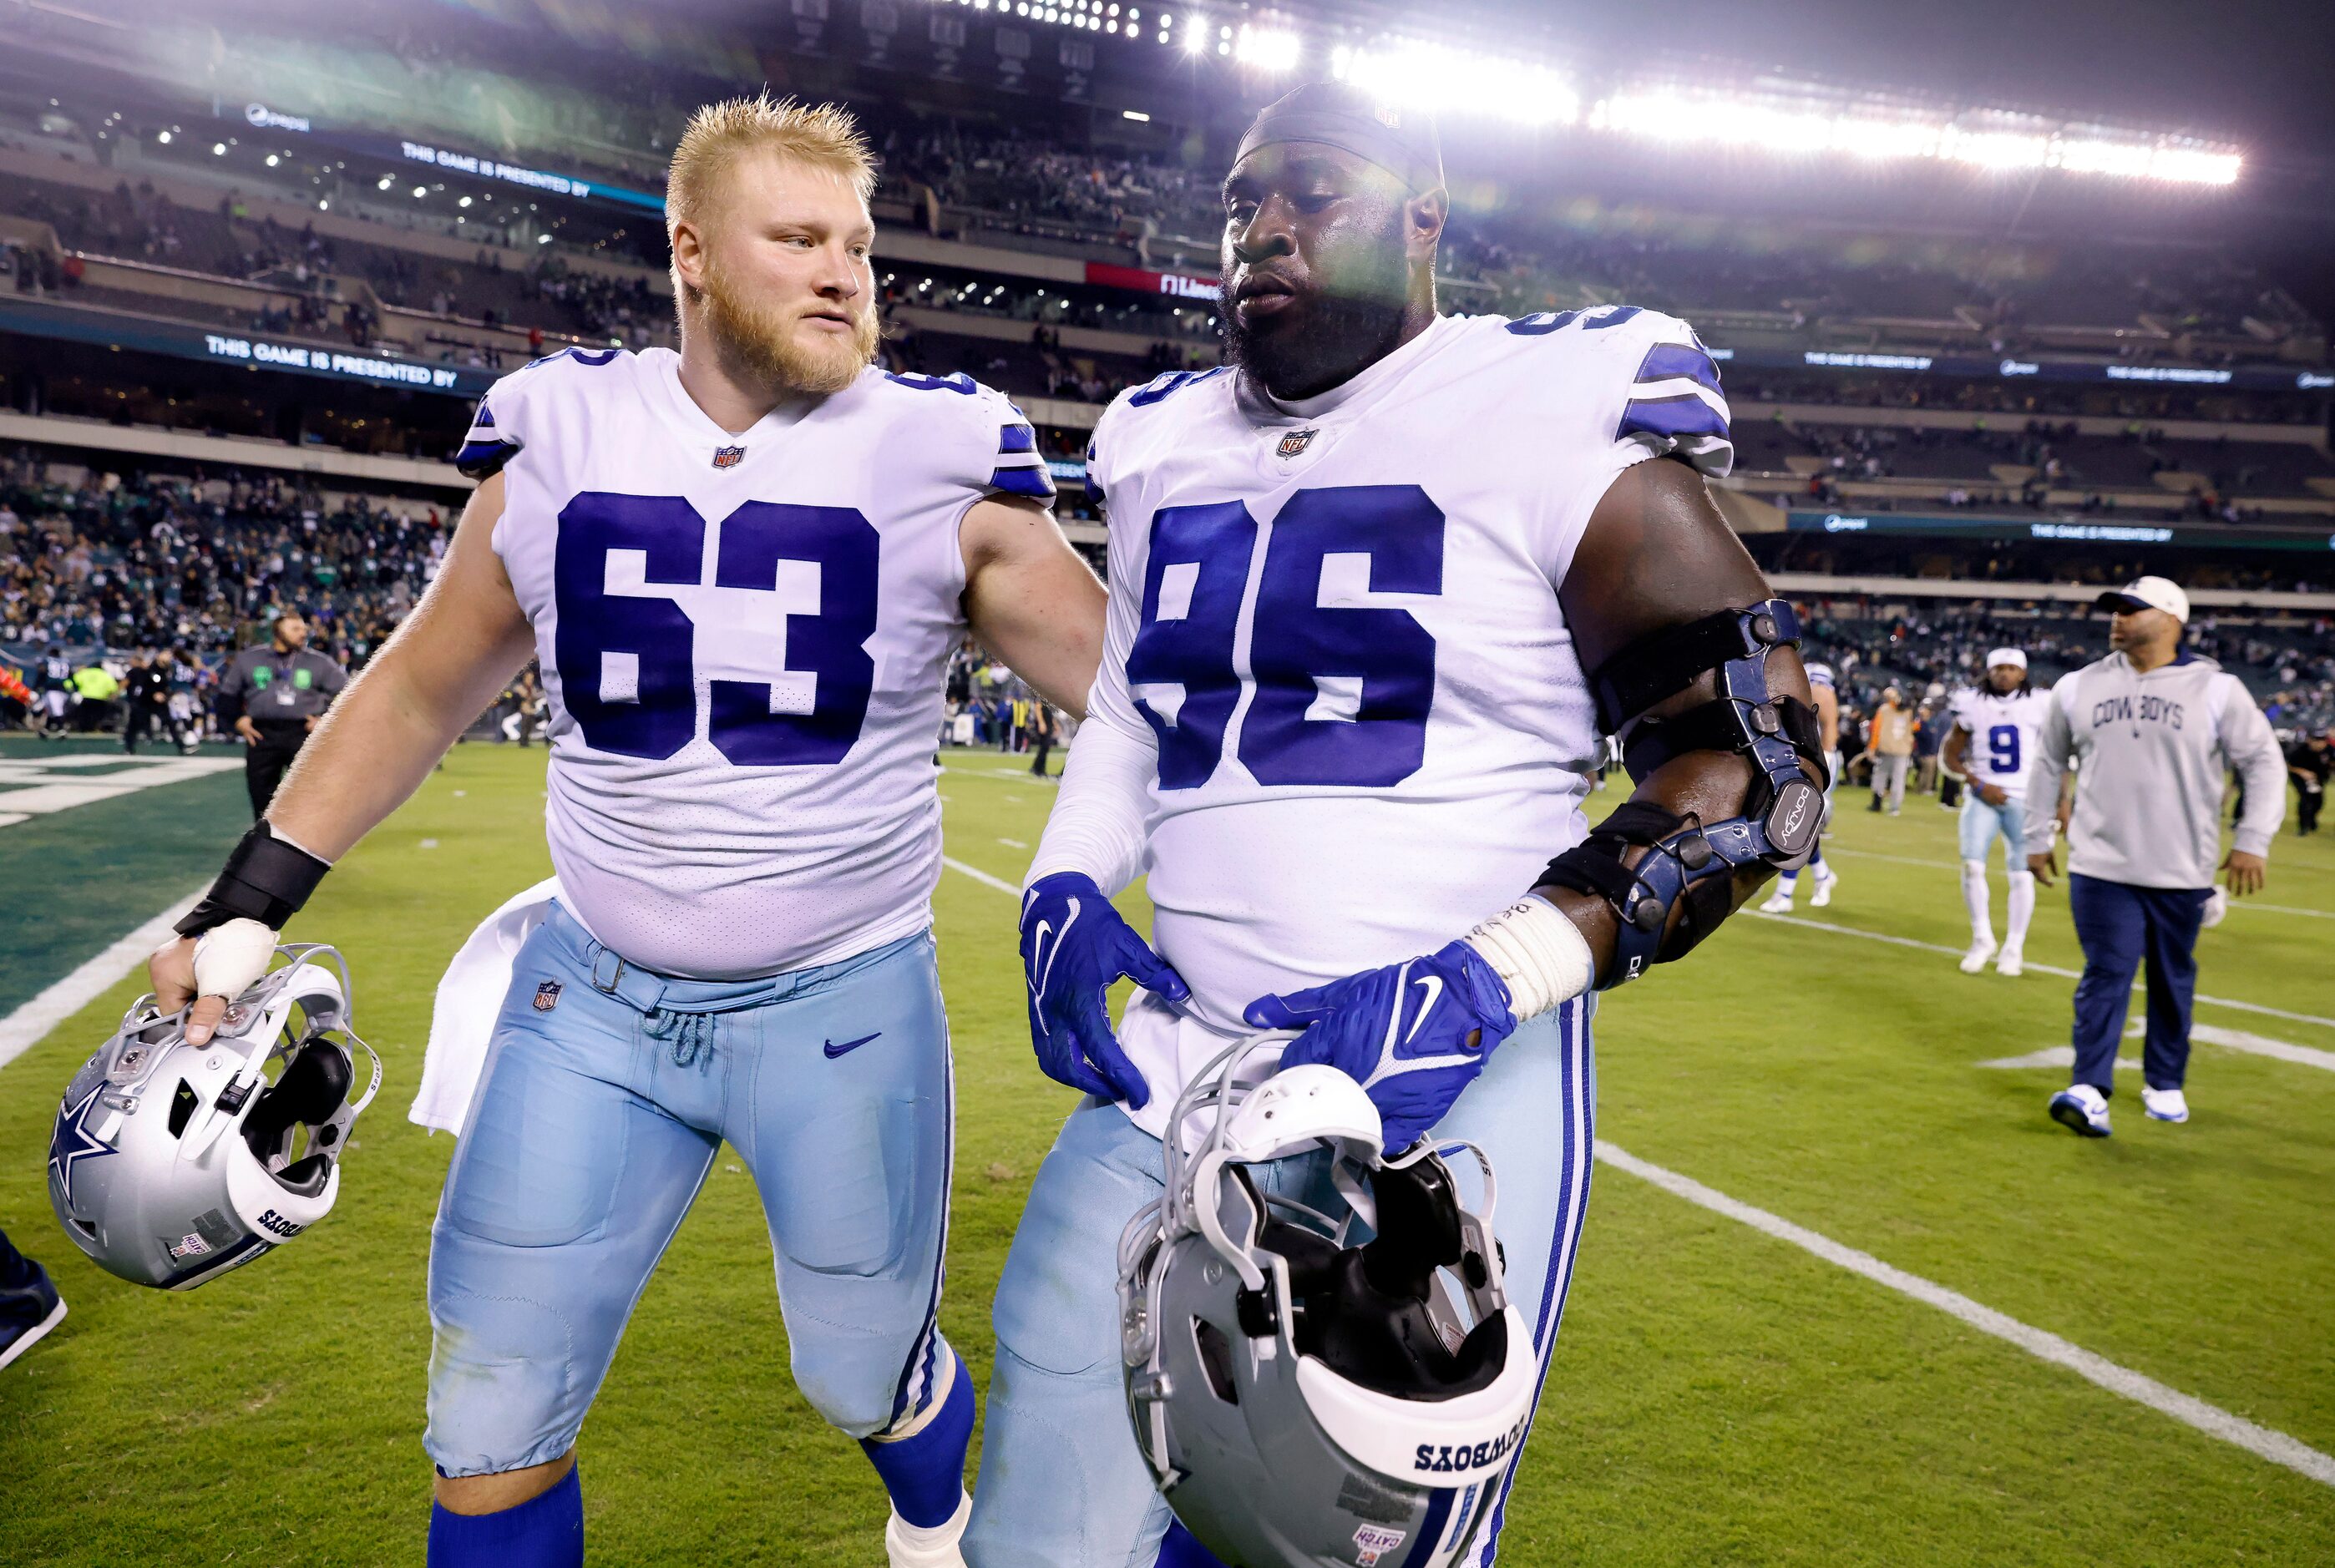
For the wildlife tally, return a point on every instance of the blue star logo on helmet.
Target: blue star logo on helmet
(73, 1142)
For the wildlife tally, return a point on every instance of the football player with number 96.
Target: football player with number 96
(742, 568)
(1379, 587)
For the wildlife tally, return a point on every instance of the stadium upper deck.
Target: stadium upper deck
(411, 248)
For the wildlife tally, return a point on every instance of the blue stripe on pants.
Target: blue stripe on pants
(2119, 925)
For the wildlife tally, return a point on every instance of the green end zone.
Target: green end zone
(81, 876)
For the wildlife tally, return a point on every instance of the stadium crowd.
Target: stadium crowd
(154, 561)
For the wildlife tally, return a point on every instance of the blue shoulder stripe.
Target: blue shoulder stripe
(1016, 438)
(1671, 418)
(1667, 359)
(1035, 481)
(484, 459)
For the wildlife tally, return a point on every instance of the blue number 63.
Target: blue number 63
(603, 638)
(1343, 689)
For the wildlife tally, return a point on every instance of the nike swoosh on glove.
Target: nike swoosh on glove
(1073, 946)
(1402, 1032)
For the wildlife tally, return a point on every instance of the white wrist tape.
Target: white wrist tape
(1539, 953)
(229, 959)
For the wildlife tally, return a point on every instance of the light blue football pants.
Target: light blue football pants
(1063, 1484)
(606, 1091)
(1979, 823)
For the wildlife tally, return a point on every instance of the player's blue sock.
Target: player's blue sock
(546, 1531)
(924, 1472)
(1179, 1550)
(1816, 857)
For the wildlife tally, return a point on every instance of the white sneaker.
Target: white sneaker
(2011, 964)
(2165, 1104)
(1778, 903)
(2082, 1110)
(1825, 880)
(1975, 959)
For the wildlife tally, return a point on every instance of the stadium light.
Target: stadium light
(1457, 81)
(1134, 114)
(219, 149)
(1997, 141)
(1195, 35)
(1269, 49)
(164, 138)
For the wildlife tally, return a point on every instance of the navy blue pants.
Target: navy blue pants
(2120, 925)
(15, 1268)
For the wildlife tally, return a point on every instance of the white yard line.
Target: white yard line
(1807, 924)
(2054, 1056)
(2250, 905)
(31, 1024)
(983, 877)
(2262, 1045)
(2187, 1408)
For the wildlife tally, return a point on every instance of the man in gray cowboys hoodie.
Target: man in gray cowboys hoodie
(2154, 729)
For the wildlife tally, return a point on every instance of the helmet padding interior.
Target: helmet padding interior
(1366, 1311)
(309, 1092)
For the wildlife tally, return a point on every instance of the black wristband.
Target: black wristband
(266, 879)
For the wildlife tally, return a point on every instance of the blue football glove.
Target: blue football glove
(1413, 1034)
(1073, 946)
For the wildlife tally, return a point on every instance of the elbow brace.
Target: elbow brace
(1687, 860)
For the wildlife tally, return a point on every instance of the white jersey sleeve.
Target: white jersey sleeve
(742, 638)
(1623, 385)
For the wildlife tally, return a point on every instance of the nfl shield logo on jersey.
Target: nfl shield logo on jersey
(547, 996)
(728, 457)
(1295, 443)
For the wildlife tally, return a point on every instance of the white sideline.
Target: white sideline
(1807, 925)
(2187, 1408)
(31, 1023)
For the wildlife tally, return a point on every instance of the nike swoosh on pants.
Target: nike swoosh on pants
(834, 1050)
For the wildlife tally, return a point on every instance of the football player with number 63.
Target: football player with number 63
(742, 568)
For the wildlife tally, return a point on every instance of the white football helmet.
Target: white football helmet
(1304, 1402)
(173, 1163)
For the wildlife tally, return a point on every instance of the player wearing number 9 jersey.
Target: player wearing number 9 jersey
(742, 568)
(1992, 744)
(1378, 590)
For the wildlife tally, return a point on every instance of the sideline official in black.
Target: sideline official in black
(273, 696)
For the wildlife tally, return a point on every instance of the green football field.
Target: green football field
(2162, 1305)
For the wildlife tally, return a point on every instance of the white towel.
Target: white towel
(470, 996)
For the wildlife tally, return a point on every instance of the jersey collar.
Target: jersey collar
(690, 423)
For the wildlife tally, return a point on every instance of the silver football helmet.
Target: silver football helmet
(173, 1163)
(1314, 1391)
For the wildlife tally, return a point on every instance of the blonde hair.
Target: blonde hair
(719, 134)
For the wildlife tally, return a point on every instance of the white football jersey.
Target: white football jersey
(742, 641)
(2002, 731)
(1337, 622)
